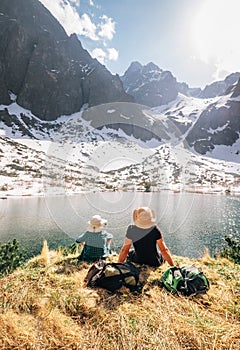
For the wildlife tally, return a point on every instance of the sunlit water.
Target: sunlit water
(189, 222)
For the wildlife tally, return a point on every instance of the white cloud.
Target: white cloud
(75, 2)
(88, 27)
(107, 28)
(69, 18)
(102, 56)
(99, 54)
(112, 54)
(66, 12)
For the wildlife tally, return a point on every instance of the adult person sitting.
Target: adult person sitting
(146, 238)
(96, 240)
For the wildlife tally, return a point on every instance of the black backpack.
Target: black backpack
(112, 276)
(186, 280)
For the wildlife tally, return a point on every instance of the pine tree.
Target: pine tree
(233, 251)
(11, 257)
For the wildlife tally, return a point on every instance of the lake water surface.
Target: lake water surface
(189, 222)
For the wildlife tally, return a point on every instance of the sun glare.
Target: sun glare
(215, 34)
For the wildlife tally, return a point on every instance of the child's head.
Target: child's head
(96, 224)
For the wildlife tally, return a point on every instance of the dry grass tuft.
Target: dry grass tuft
(46, 305)
(206, 255)
(17, 331)
(45, 254)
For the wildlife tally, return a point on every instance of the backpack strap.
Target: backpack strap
(123, 275)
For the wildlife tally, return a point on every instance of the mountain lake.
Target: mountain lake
(190, 222)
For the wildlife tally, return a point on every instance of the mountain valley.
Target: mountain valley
(68, 125)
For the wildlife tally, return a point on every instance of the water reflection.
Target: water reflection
(190, 222)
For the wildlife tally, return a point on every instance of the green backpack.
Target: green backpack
(186, 280)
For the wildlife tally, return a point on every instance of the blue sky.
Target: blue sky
(197, 40)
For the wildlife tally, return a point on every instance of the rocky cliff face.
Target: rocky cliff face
(219, 124)
(150, 85)
(45, 70)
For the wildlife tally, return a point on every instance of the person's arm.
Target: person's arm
(109, 238)
(81, 238)
(125, 249)
(165, 251)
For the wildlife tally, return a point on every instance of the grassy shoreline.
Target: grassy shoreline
(45, 305)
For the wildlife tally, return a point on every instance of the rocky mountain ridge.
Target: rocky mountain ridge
(217, 125)
(219, 88)
(152, 86)
(208, 126)
(46, 71)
